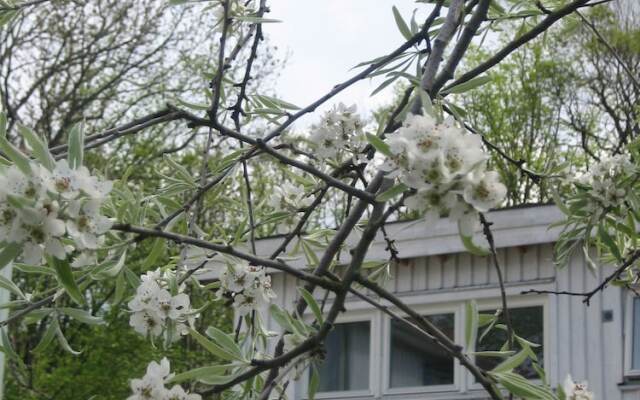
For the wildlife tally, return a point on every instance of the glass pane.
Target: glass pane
(635, 361)
(346, 364)
(418, 361)
(527, 323)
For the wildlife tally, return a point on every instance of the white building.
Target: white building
(371, 357)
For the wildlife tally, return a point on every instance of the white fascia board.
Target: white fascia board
(511, 227)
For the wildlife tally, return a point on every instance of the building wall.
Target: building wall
(578, 340)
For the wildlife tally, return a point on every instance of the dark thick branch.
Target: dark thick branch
(469, 31)
(545, 24)
(226, 249)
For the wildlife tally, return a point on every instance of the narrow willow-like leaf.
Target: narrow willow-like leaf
(522, 387)
(468, 85)
(313, 304)
(314, 383)
(39, 148)
(9, 252)
(65, 277)
(48, 336)
(20, 160)
(471, 247)
(471, 324)
(402, 25)
(75, 146)
(212, 347)
(10, 286)
(511, 362)
(379, 144)
(205, 373)
(64, 343)
(225, 341)
(392, 192)
(7, 348)
(82, 316)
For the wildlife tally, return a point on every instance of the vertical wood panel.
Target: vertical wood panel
(480, 270)
(465, 270)
(594, 343)
(563, 322)
(530, 259)
(449, 270)
(403, 276)
(435, 273)
(390, 284)
(612, 350)
(546, 267)
(513, 265)
(420, 274)
(577, 315)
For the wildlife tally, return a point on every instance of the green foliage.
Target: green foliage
(112, 354)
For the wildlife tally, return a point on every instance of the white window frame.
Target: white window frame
(425, 310)
(518, 302)
(373, 317)
(629, 372)
(380, 339)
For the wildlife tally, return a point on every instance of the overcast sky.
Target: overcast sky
(324, 39)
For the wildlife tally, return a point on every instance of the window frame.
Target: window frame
(629, 372)
(362, 315)
(380, 345)
(454, 308)
(517, 302)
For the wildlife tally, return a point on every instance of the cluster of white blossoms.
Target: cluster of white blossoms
(447, 167)
(247, 285)
(604, 181)
(576, 391)
(152, 385)
(289, 197)
(156, 311)
(339, 132)
(52, 211)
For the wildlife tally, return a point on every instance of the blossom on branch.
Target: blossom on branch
(155, 310)
(576, 391)
(247, 285)
(52, 211)
(339, 132)
(446, 167)
(152, 385)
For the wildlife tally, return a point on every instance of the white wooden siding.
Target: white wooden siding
(578, 342)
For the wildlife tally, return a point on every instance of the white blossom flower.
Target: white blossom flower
(178, 393)
(152, 385)
(156, 311)
(247, 285)
(339, 130)
(89, 225)
(485, 192)
(288, 196)
(576, 391)
(446, 166)
(147, 322)
(43, 208)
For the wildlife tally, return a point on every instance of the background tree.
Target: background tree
(212, 198)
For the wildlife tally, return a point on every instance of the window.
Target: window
(346, 364)
(416, 361)
(371, 355)
(528, 323)
(632, 336)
